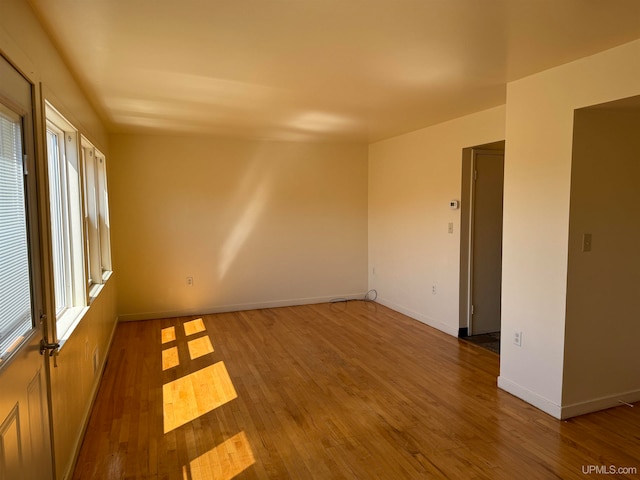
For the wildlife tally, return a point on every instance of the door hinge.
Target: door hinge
(473, 308)
(475, 174)
(25, 158)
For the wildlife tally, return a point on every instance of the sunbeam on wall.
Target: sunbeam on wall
(197, 394)
(256, 186)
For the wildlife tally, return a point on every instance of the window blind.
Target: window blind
(15, 291)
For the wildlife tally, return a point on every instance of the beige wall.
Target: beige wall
(256, 224)
(539, 128)
(24, 43)
(28, 47)
(602, 323)
(412, 178)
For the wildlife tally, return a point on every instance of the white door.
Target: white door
(25, 446)
(486, 241)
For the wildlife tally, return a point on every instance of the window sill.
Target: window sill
(95, 289)
(68, 323)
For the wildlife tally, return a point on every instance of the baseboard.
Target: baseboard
(453, 331)
(563, 412)
(530, 397)
(132, 317)
(601, 403)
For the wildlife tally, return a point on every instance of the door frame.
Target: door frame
(466, 233)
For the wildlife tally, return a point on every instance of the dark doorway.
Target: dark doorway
(481, 244)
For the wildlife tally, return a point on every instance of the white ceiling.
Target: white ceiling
(348, 70)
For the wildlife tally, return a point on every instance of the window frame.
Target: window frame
(59, 198)
(81, 241)
(22, 327)
(97, 239)
(69, 170)
(16, 100)
(104, 222)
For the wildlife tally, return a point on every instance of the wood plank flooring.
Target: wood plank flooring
(331, 391)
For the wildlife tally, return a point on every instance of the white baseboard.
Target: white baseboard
(602, 403)
(530, 397)
(132, 317)
(562, 412)
(421, 318)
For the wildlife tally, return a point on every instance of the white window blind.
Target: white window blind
(15, 291)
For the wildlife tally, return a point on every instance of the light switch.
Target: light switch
(450, 227)
(586, 242)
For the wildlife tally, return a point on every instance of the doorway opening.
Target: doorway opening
(481, 244)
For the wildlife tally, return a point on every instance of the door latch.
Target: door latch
(52, 348)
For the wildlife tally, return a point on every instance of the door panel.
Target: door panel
(24, 438)
(25, 444)
(486, 250)
(10, 445)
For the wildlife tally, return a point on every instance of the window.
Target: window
(15, 289)
(80, 246)
(66, 219)
(103, 222)
(96, 207)
(59, 219)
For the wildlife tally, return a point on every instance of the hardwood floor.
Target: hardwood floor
(332, 391)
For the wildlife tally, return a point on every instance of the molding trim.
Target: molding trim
(133, 317)
(563, 412)
(530, 397)
(453, 331)
(601, 403)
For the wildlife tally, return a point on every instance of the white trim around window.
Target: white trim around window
(79, 218)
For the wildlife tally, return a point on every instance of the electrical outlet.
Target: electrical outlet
(434, 290)
(517, 338)
(190, 281)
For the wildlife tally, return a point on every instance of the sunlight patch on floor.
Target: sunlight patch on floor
(168, 334)
(196, 394)
(170, 358)
(193, 327)
(199, 347)
(223, 462)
